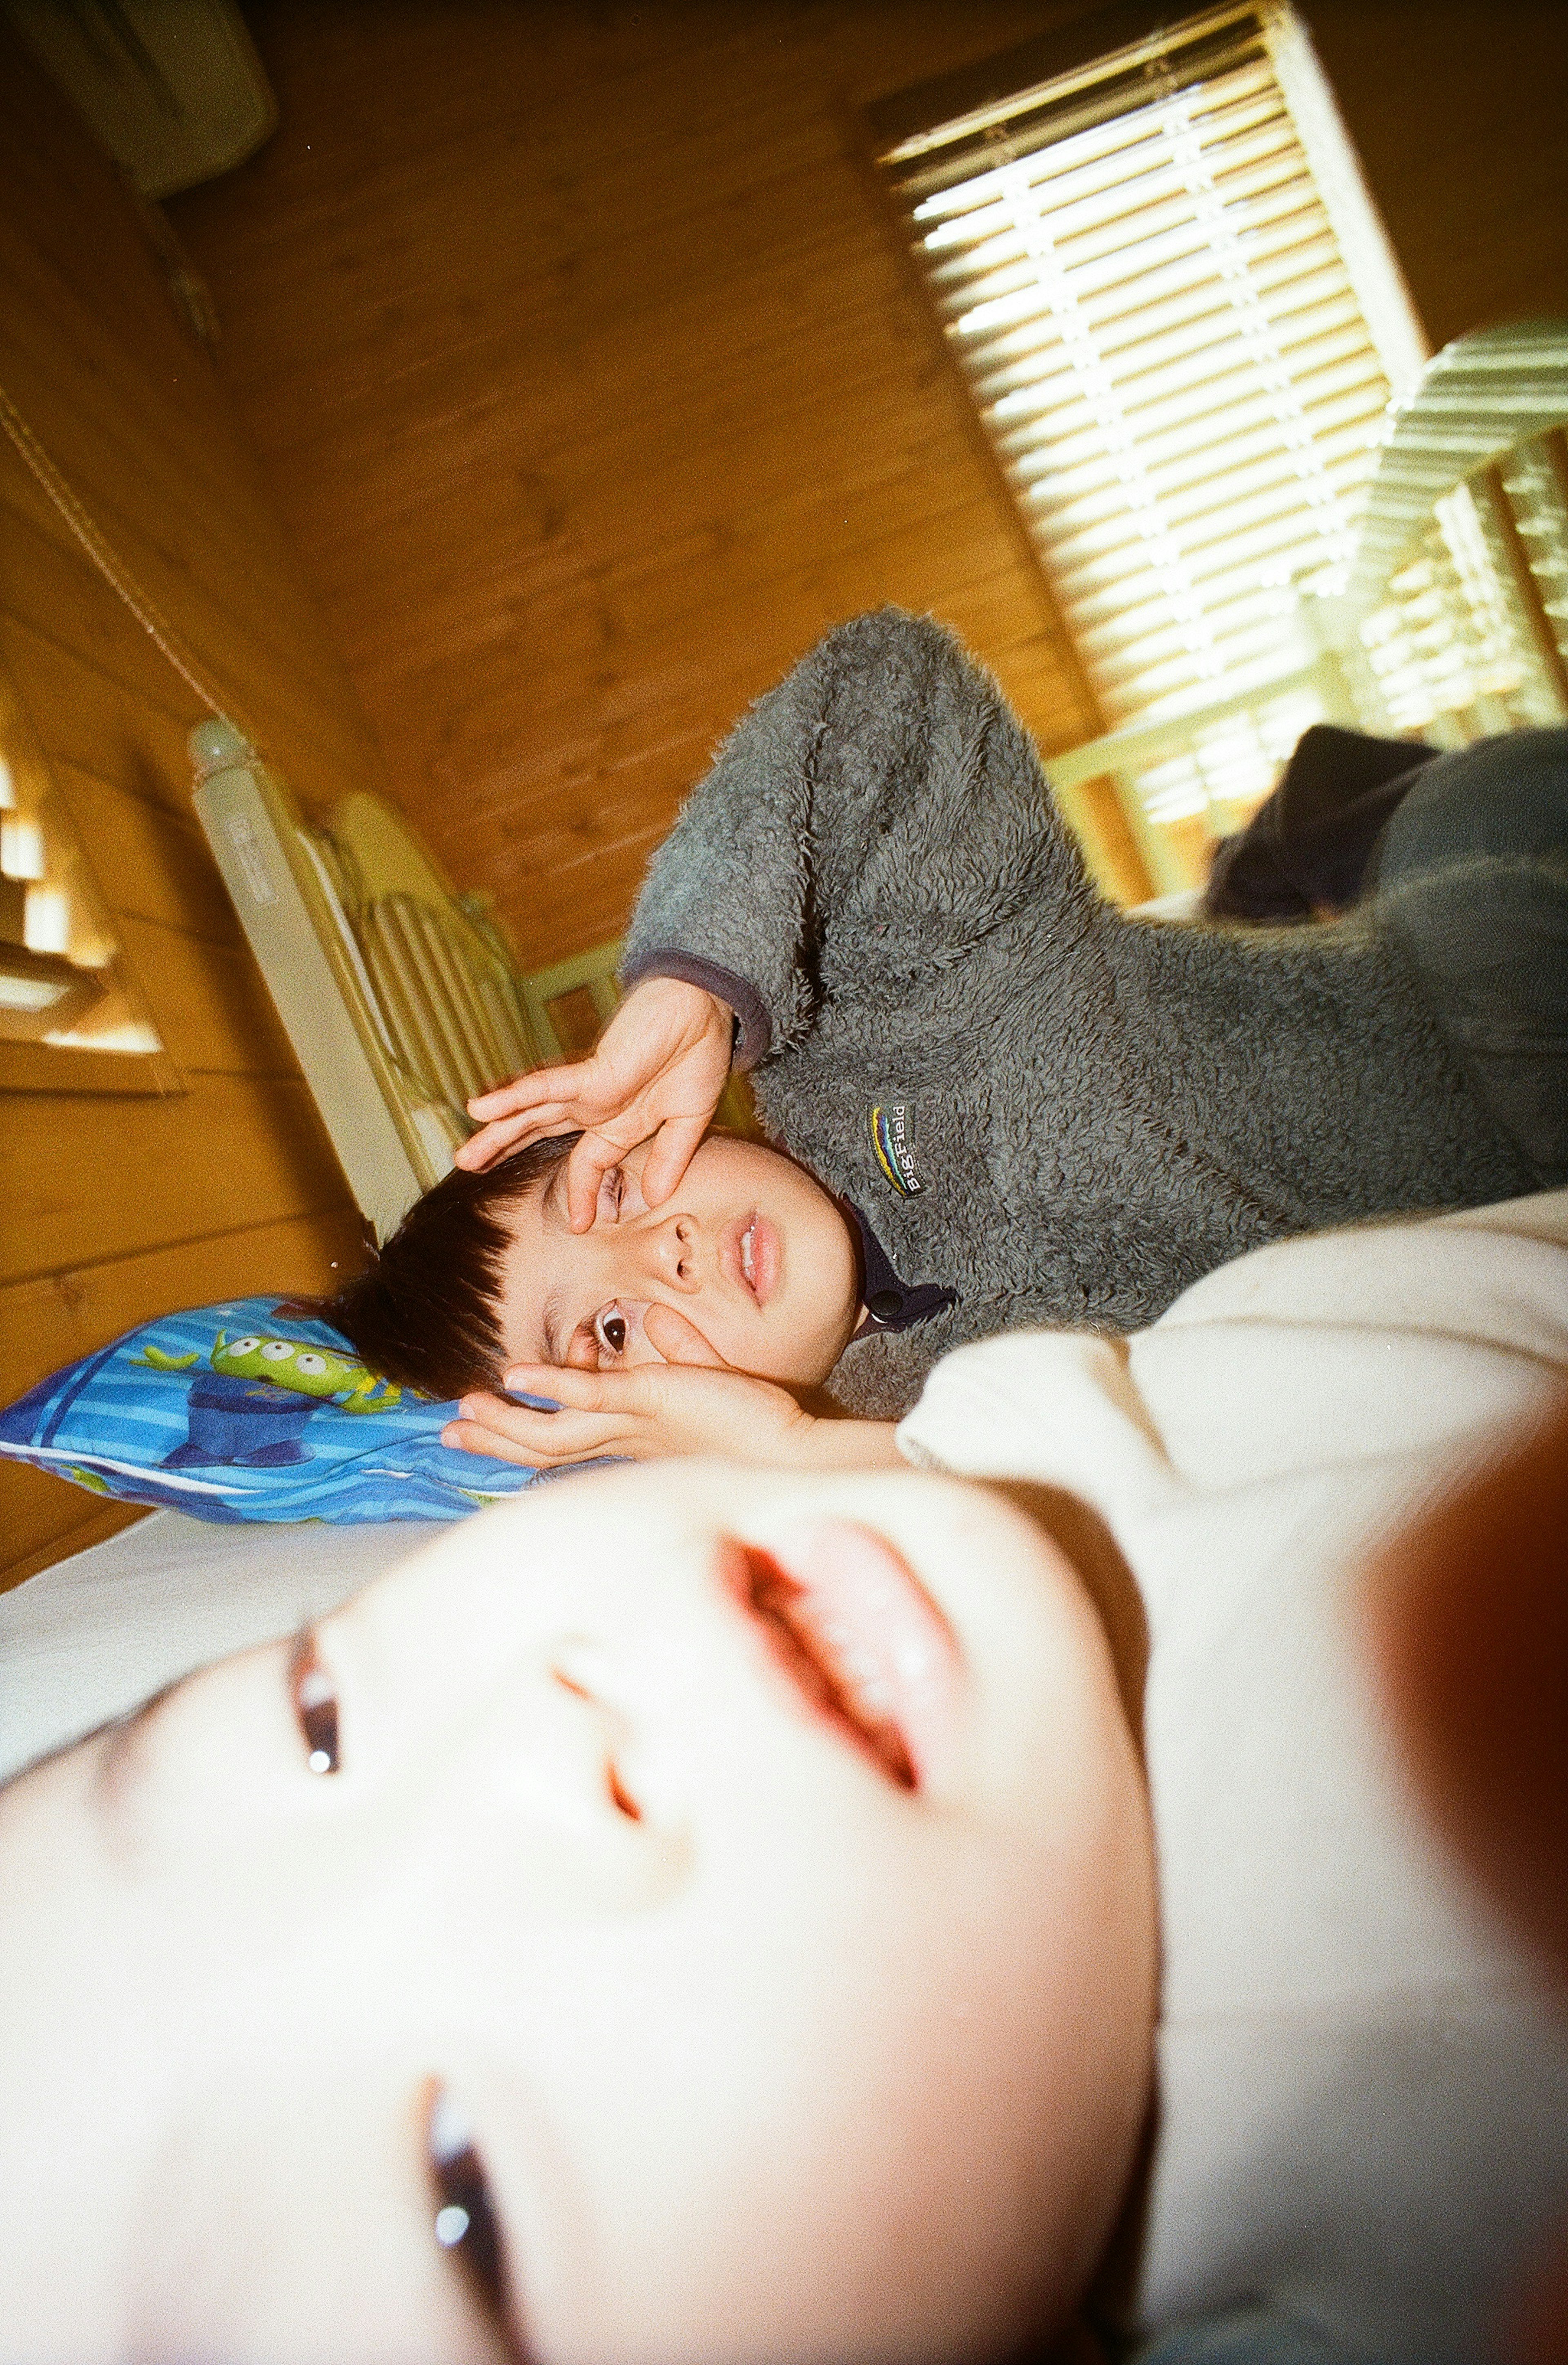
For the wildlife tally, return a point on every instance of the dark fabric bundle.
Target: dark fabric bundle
(1306, 849)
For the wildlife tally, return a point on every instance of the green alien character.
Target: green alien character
(252, 1409)
(309, 1371)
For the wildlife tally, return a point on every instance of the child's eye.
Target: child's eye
(611, 1191)
(466, 2223)
(610, 1330)
(315, 1705)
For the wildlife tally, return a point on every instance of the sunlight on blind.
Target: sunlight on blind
(1221, 771)
(1153, 309)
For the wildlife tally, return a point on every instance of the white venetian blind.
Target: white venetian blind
(1162, 316)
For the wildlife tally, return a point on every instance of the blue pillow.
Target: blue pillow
(250, 1410)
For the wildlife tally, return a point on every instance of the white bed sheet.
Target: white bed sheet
(95, 1635)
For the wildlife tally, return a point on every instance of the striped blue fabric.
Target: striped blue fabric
(249, 1410)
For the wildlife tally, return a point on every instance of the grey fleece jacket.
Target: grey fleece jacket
(1061, 1115)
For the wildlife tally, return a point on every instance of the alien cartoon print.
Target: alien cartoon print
(251, 1409)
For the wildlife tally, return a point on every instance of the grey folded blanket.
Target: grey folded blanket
(1091, 1111)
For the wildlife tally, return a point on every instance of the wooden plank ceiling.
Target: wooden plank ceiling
(594, 387)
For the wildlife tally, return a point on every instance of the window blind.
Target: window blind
(1150, 299)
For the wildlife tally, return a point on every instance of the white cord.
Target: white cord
(86, 532)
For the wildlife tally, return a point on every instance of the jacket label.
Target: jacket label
(892, 1139)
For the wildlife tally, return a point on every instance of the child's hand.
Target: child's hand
(658, 1070)
(692, 1403)
(652, 1410)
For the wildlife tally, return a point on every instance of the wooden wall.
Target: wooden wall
(115, 1207)
(1458, 110)
(594, 387)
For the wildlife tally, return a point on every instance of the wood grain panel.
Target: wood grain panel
(57, 1318)
(47, 584)
(109, 455)
(103, 700)
(208, 1003)
(184, 503)
(92, 722)
(230, 1152)
(594, 385)
(96, 1528)
(719, 534)
(51, 585)
(162, 869)
(595, 399)
(47, 1517)
(119, 1208)
(1457, 112)
(610, 692)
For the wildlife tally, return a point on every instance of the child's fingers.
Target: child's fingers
(675, 1146)
(478, 1438)
(547, 1101)
(482, 1148)
(589, 1163)
(534, 1441)
(535, 1123)
(573, 1389)
(526, 1092)
(626, 1412)
(677, 1340)
(583, 1443)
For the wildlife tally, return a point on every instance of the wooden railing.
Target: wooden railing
(1457, 602)
(1454, 625)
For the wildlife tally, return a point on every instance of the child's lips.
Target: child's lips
(846, 1617)
(750, 1253)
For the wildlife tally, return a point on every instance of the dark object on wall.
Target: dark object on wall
(174, 89)
(1305, 850)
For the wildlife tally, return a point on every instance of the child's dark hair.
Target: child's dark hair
(425, 1310)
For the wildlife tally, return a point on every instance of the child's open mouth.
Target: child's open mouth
(846, 1618)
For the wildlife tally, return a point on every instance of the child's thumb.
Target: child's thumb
(678, 1340)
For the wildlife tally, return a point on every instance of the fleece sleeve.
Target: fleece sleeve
(881, 803)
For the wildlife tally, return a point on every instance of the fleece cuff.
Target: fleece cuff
(754, 1029)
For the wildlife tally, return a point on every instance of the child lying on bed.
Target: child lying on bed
(692, 1915)
(1032, 1108)
(753, 1279)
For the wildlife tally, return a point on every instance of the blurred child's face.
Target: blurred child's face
(735, 1895)
(753, 1252)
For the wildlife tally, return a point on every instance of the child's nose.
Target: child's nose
(672, 1252)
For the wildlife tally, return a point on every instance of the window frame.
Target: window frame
(28, 1062)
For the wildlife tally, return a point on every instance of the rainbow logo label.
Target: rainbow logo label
(892, 1139)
